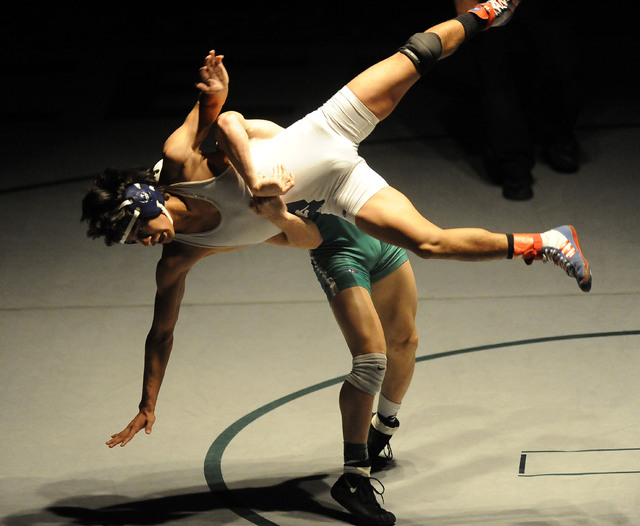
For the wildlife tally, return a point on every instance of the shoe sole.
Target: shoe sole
(361, 520)
(585, 285)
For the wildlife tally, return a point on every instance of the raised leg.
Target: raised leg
(383, 85)
(391, 217)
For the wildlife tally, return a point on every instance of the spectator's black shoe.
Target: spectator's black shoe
(517, 193)
(562, 157)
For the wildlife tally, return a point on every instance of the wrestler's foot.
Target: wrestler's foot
(379, 437)
(561, 246)
(357, 495)
(495, 12)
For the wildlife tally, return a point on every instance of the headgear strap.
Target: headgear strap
(143, 201)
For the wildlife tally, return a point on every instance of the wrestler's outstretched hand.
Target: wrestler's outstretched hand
(213, 75)
(278, 183)
(143, 420)
(295, 231)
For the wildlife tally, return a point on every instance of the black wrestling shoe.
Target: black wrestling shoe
(358, 496)
(379, 436)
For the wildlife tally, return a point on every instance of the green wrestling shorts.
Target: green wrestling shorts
(350, 258)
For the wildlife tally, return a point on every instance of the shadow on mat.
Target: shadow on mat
(288, 496)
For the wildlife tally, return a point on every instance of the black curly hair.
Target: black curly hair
(100, 204)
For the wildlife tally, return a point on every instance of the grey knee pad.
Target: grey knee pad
(423, 49)
(368, 372)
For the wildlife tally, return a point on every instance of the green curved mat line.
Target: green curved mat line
(213, 459)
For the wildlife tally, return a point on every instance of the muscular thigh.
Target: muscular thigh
(391, 217)
(358, 320)
(395, 299)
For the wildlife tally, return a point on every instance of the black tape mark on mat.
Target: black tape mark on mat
(523, 460)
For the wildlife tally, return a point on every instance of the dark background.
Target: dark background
(86, 69)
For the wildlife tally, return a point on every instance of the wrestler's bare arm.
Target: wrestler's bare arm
(234, 134)
(182, 148)
(297, 232)
(171, 272)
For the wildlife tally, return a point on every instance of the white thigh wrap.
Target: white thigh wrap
(368, 372)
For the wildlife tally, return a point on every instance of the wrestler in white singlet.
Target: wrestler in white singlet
(321, 150)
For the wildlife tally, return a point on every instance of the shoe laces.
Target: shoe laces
(557, 257)
(365, 484)
(388, 453)
(499, 6)
(376, 490)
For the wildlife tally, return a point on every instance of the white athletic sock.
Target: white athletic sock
(387, 409)
(363, 471)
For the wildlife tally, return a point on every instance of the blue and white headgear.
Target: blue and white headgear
(144, 202)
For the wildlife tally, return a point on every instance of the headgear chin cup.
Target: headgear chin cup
(144, 202)
(157, 168)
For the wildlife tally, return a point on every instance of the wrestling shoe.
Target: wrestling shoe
(561, 246)
(379, 436)
(358, 496)
(495, 12)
